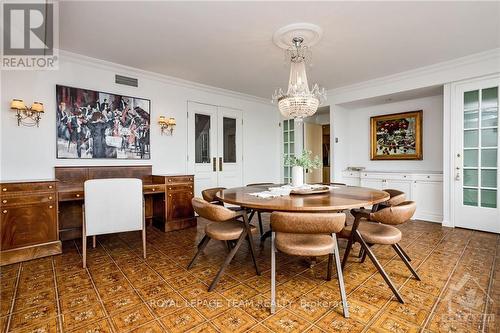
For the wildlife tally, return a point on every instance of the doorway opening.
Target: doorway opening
(317, 140)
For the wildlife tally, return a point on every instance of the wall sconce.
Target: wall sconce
(167, 125)
(27, 116)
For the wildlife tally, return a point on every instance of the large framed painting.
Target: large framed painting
(397, 136)
(93, 124)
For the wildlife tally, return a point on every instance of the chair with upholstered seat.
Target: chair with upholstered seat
(307, 235)
(379, 229)
(112, 206)
(259, 216)
(395, 198)
(224, 226)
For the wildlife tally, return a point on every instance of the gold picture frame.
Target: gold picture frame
(396, 136)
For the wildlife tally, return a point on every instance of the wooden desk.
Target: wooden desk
(167, 197)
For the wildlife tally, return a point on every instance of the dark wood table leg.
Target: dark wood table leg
(351, 240)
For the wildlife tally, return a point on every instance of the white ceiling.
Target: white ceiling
(229, 44)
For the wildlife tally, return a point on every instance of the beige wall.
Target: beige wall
(313, 136)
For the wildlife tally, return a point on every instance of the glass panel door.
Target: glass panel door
(480, 148)
(202, 138)
(229, 139)
(288, 148)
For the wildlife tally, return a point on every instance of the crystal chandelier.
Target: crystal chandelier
(298, 102)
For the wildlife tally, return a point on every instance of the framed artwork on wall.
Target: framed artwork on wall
(95, 125)
(396, 136)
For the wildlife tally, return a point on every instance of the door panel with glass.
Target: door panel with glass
(230, 147)
(214, 146)
(476, 159)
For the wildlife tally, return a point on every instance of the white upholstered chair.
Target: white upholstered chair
(111, 206)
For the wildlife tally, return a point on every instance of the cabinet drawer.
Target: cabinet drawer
(148, 189)
(179, 179)
(28, 225)
(355, 174)
(8, 201)
(431, 178)
(177, 187)
(71, 195)
(28, 187)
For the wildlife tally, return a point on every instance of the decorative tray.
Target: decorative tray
(314, 190)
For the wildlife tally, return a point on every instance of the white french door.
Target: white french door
(215, 148)
(476, 160)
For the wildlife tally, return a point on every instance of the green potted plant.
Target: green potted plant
(301, 162)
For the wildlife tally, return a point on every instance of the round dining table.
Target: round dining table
(337, 199)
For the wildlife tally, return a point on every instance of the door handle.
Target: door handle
(457, 176)
(220, 163)
(214, 162)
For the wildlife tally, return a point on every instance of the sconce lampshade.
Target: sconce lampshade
(162, 120)
(171, 121)
(17, 104)
(37, 107)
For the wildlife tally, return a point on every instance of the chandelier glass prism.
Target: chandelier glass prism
(299, 101)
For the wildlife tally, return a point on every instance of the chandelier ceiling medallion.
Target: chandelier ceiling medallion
(298, 102)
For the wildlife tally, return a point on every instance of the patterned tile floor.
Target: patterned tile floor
(121, 292)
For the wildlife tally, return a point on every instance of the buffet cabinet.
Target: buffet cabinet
(425, 188)
(28, 221)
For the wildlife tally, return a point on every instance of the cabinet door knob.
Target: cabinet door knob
(190, 193)
(50, 198)
(4, 201)
(50, 186)
(5, 212)
(51, 207)
(169, 188)
(154, 189)
(78, 195)
(4, 189)
(170, 180)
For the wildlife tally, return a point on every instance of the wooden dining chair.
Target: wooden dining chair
(378, 228)
(224, 226)
(307, 235)
(395, 197)
(111, 206)
(259, 216)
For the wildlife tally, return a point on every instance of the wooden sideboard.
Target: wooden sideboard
(28, 221)
(167, 197)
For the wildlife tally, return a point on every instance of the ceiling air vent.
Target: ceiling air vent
(128, 81)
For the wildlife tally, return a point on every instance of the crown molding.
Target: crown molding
(131, 71)
(435, 69)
